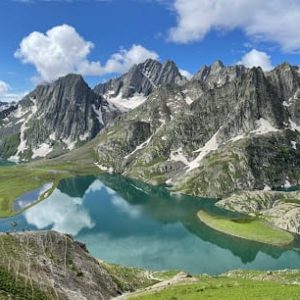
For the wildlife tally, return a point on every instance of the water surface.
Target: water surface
(128, 222)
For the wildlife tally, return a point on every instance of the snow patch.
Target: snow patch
(264, 126)
(126, 104)
(105, 169)
(287, 184)
(211, 145)
(294, 126)
(70, 144)
(294, 145)
(19, 113)
(20, 121)
(42, 151)
(177, 155)
(150, 80)
(286, 104)
(23, 143)
(267, 188)
(169, 182)
(238, 137)
(141, 146)
(188, 100)
(84, 137)
(98, 114)
(52, 136)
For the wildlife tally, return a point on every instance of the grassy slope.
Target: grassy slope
(128, 279)
(255, 230)
(227, 287)
(18, 259)
(18, 179)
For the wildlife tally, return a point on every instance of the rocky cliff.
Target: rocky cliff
(228, 129)
(281, 209)
(53, 118)
(131, 89)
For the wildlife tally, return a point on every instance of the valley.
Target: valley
(191, 168)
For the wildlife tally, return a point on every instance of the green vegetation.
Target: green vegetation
(9, 145)
(18, 179)
(128, 279)
(250, 229)
(16, 288)
(164, 275)
(225, 287)
(20, 251)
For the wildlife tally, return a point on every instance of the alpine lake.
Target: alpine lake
(128, 222)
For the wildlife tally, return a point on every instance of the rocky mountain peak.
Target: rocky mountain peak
(57, 116)
(218, 74)
(217, 65)
(141, 79)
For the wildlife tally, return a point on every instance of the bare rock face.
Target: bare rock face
(142, 79)
(217, 74)
(228, 129)
(54, 118)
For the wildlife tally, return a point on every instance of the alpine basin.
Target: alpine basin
(128, 222)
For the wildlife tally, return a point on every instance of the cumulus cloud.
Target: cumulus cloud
(185, 73)
(272, 21)
(4, 87)
(7, 95)
(256, 58)
(120, 62)
(61, 50)
(60, 212)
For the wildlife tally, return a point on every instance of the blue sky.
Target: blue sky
(110, 36)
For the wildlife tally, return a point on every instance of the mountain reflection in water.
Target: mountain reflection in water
(132, 223)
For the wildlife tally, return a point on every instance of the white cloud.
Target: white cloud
(6, 95)
(58, 52)
(272, 21)
(61, 50)
(4, 87)
(185, 73)
(13, 97)
(120, 62)
(60, 212)
(256, 58)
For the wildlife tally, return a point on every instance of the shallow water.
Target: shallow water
(29, 198)
(128, 222)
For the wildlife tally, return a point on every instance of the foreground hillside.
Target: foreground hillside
(233, 285)
(50, 265)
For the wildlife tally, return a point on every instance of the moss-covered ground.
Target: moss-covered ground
(251, 229)
(235, 287)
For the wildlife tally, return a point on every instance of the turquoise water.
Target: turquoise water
(128, 222)
(4, 163)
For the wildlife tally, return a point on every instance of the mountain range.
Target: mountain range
(227, 129)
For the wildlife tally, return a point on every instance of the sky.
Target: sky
(41, 40)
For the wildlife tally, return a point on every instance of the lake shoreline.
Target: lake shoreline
(219, 224)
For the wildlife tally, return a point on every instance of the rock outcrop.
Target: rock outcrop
(229, 129)
(51, 265)
(142, 79)
(132, 89)
(282, 209)
(54, 118)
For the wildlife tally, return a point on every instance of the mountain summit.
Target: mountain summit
(132, 88)
(53, 118)
(228, 129)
